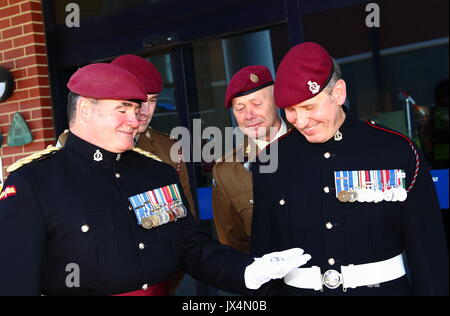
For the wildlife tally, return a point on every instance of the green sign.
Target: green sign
(19, 134)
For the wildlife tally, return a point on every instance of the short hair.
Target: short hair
(337, 75)
(72, 100)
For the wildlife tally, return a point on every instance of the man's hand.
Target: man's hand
(274, 265)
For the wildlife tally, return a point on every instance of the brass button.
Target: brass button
(331, 261)
(326, 190)
(141, 246)
(282, 202)
(327, 155)
(117, 175)
(85, 228)
(251, 202)
(145, 287)
(329, 225)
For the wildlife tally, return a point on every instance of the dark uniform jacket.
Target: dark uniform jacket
(43, 228)
(293, 208)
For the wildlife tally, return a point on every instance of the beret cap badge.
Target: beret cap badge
(313, 87)
(254, 78)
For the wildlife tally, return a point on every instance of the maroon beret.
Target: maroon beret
(303, 73)
(247, 80)
(143, 70)
(106, 81)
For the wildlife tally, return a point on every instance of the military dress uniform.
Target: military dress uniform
(306, 212)
(74, 206)
(160, 144)
(361, 202)
(232, 196)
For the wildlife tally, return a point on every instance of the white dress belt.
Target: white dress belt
(351, 276)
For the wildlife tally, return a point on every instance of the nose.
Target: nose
(144, 108)
(300, 120)
(249, 115)
(133, 120)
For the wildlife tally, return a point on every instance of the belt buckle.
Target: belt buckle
(332, 279)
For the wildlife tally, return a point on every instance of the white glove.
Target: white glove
(274, 265)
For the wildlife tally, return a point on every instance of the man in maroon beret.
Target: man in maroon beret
(99, 217)
(357, 196)
(154, 141)
(250, 96)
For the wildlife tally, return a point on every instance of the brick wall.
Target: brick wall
(23, 52)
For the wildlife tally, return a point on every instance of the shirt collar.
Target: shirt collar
(91, 153)
(262, 143)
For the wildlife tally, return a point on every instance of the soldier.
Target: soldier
(153, 141)
(250, 96)
(354, 195)
(96, 218)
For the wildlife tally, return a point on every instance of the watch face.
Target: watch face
(6, 84)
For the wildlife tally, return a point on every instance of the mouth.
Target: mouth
(127, 133)
(312, 129)
(255, 125)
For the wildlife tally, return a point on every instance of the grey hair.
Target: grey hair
(337, 75)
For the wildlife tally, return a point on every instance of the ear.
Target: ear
(84, 109)
(340, 92)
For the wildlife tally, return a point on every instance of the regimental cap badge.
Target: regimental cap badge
(98, 156)
(314, 87)
(254, 78)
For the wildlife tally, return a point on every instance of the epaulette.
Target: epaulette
(411, 144)
(227, 155)
(40, 154)
(146, 153)
(161, 133)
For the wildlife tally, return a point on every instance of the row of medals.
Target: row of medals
(164, 214)
(393, 194)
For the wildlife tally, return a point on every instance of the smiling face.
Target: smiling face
(108, 124)
(146, 112)
(256, 113)
(319, 118)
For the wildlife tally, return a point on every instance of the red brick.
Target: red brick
(27, 18)
(4, 119)
(31, 6)
(32, 82)
(43, 134)
(33, 28)
(15, 1)
(12, 150)
(7, 64)
(4, 23)
(4, 45)
(26, 115)
(10, 107)
(31, 61)
(39, 92)
(12, 32)
(36, 146)
(9, 11)
(18, 74)
(19, 95)
(35, 103)
(44, 123)
(3, 3)
(35, 49)
(42, 113)
(14, 54)
(7, 161)
(38, 70)
(29, 39)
